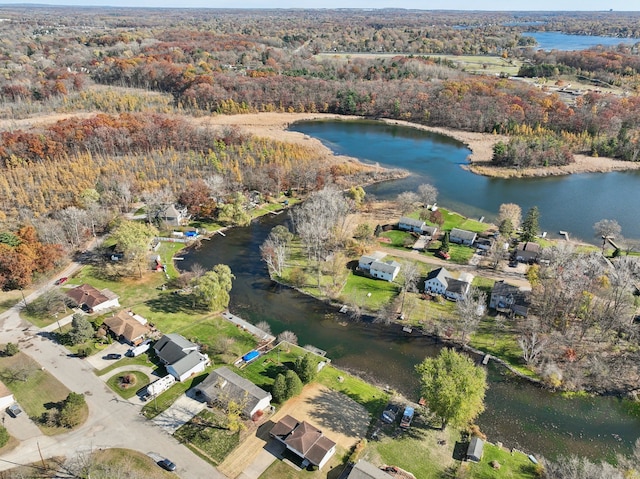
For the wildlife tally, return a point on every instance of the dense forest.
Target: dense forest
(150, 74)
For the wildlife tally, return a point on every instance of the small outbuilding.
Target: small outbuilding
(475, 450)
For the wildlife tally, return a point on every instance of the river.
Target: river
(562, 41)
(518, 413)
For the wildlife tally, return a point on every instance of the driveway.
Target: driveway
(98, 360)
(342, 420)
(179, 413)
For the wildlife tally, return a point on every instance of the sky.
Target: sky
(494, 5)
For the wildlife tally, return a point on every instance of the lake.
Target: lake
(570, 203)
(518, 413)
(562, 41)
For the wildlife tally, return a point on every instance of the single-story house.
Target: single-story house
(409, 224)
(365, 470)
(527, 252)
(180, 356)
(385, 270)
(90, 299)
(128, 326)
(6, 397)
(175, 216)
(462, 236)
(440, 281)
(223, 385)
(475, 450)
(304, 440)
(506, 298)
(364, 263)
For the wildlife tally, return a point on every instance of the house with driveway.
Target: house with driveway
(91, 300)
(366, 260)
(128, 327)
(442, 282)
(528, 252)
(304, 440)
(181, 357)
(410, 224)
(373, 265)
(223, 385)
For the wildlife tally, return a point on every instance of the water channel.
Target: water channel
(562, 41)
(518, 413)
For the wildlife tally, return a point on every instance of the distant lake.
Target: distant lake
(563, 41)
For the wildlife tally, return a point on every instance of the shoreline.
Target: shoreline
(274, 125)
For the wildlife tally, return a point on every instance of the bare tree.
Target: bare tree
(288, 336)
(264, 326)
(531, 341)
(607, 229)
(407, 201)
(470, 310)
(428, 194)
(511, 212)
(72, 220)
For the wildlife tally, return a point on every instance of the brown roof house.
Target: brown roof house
(128, 327)
(528, 252)
(304, 440)
(91, 300)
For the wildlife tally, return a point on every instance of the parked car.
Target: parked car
(443, 254)
(113, 356)
(59, 281)
(14, 410)
(407, 416)
(167, 465)
(390, 413)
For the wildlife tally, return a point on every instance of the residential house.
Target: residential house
(509, 299)
(175, 216)
(91, 300)
(223, 385)
(385, 270)
(127, 326)
(409, 224)
(365, 470)
(440, 281)
(484, 243)
(180, 356)
(366, 259)
(6, 397)
(528, 252)
(304, 440)
(463, 237)
(430, 231)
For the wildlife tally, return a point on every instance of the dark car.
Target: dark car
(167, 465)
(390, 413)
(113, 356)
(61, 280)
(14, 410)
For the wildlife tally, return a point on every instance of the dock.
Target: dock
(486, 358)
(565, 234)
(221, 233)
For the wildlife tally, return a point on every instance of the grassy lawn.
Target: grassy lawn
(512, 466)
(9, 298)
(34, 388)
(483, 284)
(167, 398)
(207, 436)
(129, 390)
(500, 343)
(358, 288)
(427, 310)
(397, 238)
(167, 251)
(372, 398)
(455, 220)
(331, 470)
(263, 371)
(221, 337)
(137, 464)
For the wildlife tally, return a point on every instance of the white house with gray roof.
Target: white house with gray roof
(385, 270)
(223, 385)
(366, 260)
(410, 224)
(440, 281)
(181, 357)
(462, 236)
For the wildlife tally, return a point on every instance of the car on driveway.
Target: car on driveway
(14, 410)
(59, 281)
(167, 465)
(390, 413)
(113, 356)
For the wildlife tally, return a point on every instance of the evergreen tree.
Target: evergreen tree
(81, 329)
(306, 368)
(279, 389)
(444, 246)
(530, 225)
(294, 384)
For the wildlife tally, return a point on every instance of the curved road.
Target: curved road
(112, 421)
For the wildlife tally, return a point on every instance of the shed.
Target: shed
(475, 450)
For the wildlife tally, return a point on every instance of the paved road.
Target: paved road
(112, 422)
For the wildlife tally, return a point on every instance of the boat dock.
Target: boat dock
(565, 234)
(258, 333)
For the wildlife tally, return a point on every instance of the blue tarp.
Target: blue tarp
(191, 234)
(250, 356)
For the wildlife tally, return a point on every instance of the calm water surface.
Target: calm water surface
(562, 41)
(570, 203)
